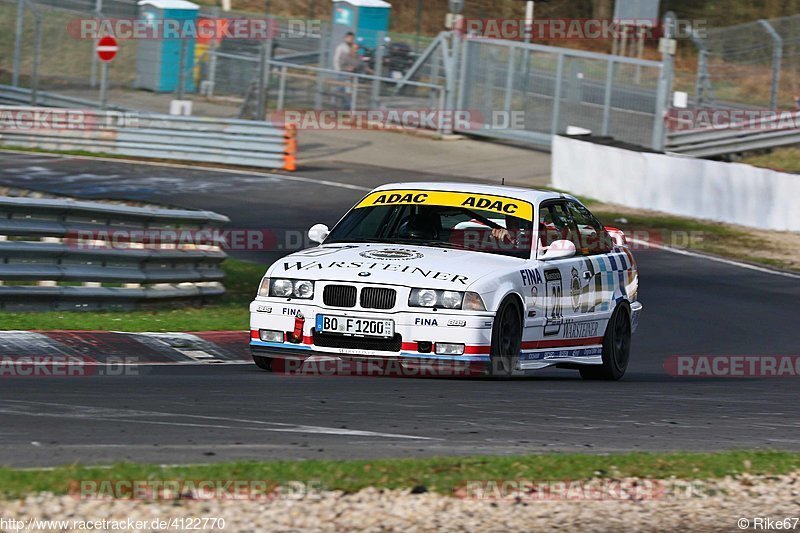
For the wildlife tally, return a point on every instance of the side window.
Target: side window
(592, 238)
(555, 224)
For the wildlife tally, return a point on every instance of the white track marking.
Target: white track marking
(61, 410)
(284, 177)
(195, 352)
(716, 259)
(39, 343)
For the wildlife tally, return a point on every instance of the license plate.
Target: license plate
(362, 327)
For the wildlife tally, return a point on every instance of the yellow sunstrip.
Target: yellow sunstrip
(485, 202)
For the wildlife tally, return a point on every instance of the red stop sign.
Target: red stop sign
(107, 48)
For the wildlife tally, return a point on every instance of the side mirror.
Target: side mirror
(557, 250)
(319, 232)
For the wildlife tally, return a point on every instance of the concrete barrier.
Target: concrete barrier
(724, 192)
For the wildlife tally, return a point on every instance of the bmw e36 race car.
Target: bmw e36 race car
(508, 278)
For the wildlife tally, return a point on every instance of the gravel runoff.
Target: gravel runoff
(709, 506)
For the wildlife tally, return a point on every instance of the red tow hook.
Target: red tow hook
(296, 336)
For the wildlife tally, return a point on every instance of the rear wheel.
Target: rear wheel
(616, 348)
(264, 363)
(506, 339)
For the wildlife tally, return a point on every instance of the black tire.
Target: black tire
(264, 363)
(506, 339)
(616, 348)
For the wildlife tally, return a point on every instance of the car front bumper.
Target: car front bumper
(416, 333)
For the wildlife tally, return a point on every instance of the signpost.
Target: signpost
(106, 48)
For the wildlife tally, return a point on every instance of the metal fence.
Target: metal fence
(304, 87)
(49, 56)
(232, 142)
(38, 51)
(75, 255)
(752, 65)
(550, 88)
(554, 88)
(489, 80)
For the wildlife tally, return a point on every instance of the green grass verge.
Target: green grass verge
(230, 314)
(442, 475)
(780, 159)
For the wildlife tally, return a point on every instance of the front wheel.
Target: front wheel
(506, 339)
(616, 348)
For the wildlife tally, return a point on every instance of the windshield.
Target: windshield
(445, 226)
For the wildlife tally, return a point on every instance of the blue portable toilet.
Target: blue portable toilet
(158, 60)
(366, 18)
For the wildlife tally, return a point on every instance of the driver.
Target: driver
(511, 233)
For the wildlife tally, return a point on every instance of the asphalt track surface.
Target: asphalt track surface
(199, 414)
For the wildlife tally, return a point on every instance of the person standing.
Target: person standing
(345, 58)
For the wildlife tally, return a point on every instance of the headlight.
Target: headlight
(263, 290)
(303, 289)
(281, 288)
(290, 288)
(436, 298)
(451, 299)
(423, 298)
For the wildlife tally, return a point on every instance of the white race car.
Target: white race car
(505, 278)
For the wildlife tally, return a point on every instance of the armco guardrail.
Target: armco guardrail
(148, 135)
(68, 254)
(768, 132)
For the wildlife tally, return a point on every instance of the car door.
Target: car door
(560, 301)
(595, 282)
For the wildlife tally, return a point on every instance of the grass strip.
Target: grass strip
(440, 474)
(780, 159)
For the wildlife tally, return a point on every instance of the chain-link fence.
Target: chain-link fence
(50, 52)
(753, 65)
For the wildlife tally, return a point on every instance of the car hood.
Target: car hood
(414, 266)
